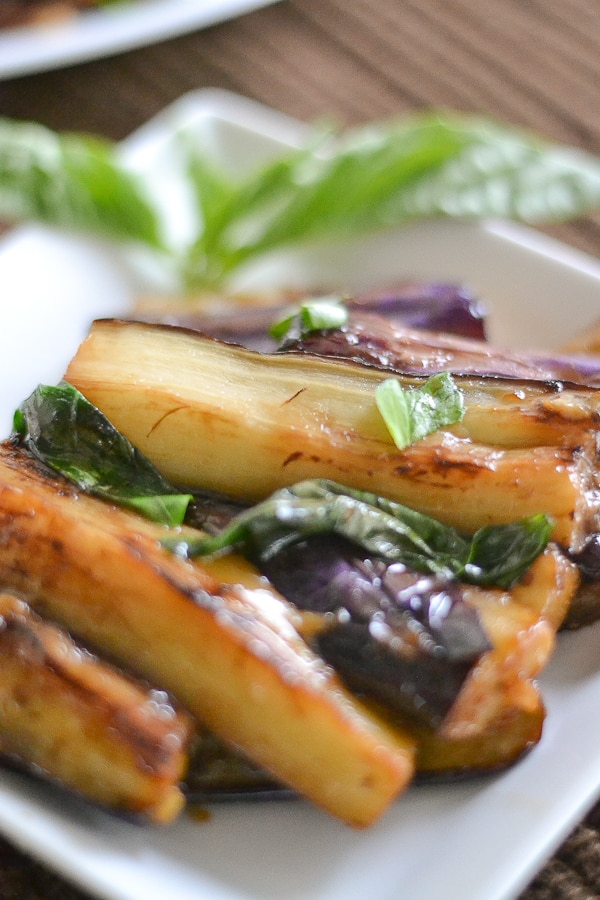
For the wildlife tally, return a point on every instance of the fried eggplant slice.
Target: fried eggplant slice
(82, 723)
(222, 418)
(385, 344)
(499, 713)
(405, 639)
(229, 654)
(429, 648)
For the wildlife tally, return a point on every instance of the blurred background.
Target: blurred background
(531, 63)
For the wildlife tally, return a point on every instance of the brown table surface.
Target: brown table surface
(533, 63)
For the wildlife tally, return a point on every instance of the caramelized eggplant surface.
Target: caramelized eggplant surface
(260, 422)
(86, 725)
(298, 657)
(229, 654)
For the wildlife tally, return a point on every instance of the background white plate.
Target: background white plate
(481, 840)
(110, 30)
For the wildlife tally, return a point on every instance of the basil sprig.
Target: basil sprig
(495, 555)
(71, 436)
(335, 186)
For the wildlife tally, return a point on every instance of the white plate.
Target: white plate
(112, 29)
(482, 840)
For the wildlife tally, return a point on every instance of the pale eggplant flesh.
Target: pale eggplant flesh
(81, 723)
(260, 422)
(225, 647)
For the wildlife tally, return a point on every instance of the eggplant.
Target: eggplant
(406, 639)
(73, 719)
(221, 643)
(215, 416)
(496, 717)
(236, 654)
(218, 772)
(377, 341)
(434, 306)
(451, 308)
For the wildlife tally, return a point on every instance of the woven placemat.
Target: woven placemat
(573, 873)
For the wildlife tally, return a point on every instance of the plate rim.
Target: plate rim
(98, 33)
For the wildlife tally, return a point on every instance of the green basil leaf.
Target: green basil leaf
(497, 555)
(326, 189)
(500, 552)
(71, 436)
(503, 173)
(315, 314)
(412, 414)
(336, 186)
(387, 174)
(71, 181)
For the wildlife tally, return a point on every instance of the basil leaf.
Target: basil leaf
(499, 552)
(412, 414)
(71, 436)
(71, 181)
(385, 175)
(503, 173)
(336, 186)
(322, 189)
(497, 555)
(316, 314)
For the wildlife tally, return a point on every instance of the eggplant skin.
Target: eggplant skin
(392, 633)
(376, 341)
(77, 721)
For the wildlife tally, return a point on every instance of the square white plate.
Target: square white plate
(481, 840)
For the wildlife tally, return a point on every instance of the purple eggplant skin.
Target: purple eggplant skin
(451, 308)
(433, 306)
(576, 368)
(401, 637)
(584, 610)
(587, 558)
(372, 340)
(404, 639)
(211, 512)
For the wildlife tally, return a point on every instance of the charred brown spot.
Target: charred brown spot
(293, 457)
(166, 415)
(443, 464)
(293, 397)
